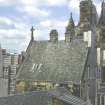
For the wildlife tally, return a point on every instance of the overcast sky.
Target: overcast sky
(17, 17)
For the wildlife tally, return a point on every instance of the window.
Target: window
(89, 38)
(88, 70)
(85, 36)
(103, 54)
(98, 56)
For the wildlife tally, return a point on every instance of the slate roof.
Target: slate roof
(65, 96)
(42, 98)
(58, 61)
(30, 98)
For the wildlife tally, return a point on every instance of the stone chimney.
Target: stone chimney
(54, 36)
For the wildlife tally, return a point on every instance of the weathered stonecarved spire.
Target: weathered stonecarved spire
(32, 33)
(71, 22)
(54, 35)
(101, 24)
(102, 17)
(70, 30)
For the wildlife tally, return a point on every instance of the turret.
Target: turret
(102, 17)
(85, 10)
(101, 23)
(88, 10)
(53, 36)
(70, 30)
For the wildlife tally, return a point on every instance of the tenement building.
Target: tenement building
(8, 69)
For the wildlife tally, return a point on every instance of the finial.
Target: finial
(71, 17)
(71, 21)
(71, 14)
(32, 33)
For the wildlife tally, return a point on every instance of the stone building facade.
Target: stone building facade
(101, 57)
(76, 63)
(71, 63)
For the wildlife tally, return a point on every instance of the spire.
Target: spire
(32, 33)
(102, 17)
(70, 31)
(71, 22)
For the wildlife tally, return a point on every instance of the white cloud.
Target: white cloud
(53, 24)
(34, 2)
(98, 7)
(33, 11)
(29, 2)
(56, 2)
(5, 20)
(41, 34)
(74, 4)
(8, 2)
(13, 37)
(19, 36)
(48, 25)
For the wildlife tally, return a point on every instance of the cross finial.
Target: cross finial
(32, 33)
(71, 14)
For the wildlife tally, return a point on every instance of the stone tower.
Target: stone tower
(87, 10)
(70, 30)
(53, 36)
